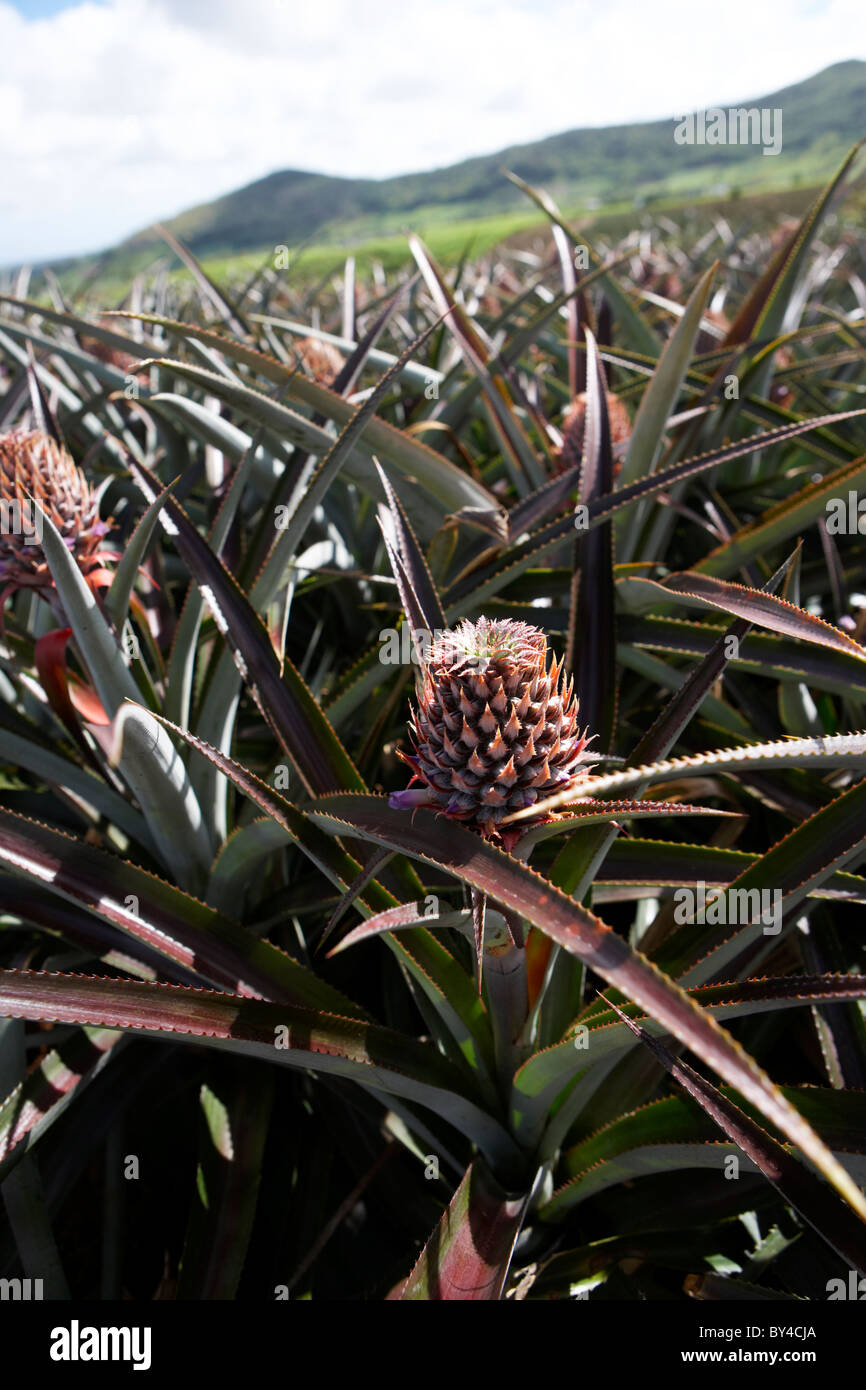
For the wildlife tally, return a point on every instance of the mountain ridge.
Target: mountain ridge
(822, 116)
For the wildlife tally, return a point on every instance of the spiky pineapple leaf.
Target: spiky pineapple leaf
(413, 566)
(596, 1039)
(436, 971)
(340, 867)
(397, 919)
(45, 763)
(657, 864)
(578, 862)
(444, 481)
(320, 480)
(660, 397)
(814, 850)
(759, 653)
(755, 606)
(676, 1133)
(458, 851)
(118, 596)
(207, 285)
(151, 766)
(787, 518)
(385, 1061)
(586, 812)
(836, 751)
(823, 1209)
(290, 710)
(634, 325)
(591, 646)
(31, 1107)
(236, 1110)
(516, 447)
(518, 558)
(761, 315)
(147, 909)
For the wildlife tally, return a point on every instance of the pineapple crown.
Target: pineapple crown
(498, 647)
(495, 729)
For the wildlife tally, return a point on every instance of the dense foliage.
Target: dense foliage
(243, 1051)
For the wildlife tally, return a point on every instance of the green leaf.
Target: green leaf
(441, 478)
(591, 649)
(181, 667)
(81, 326)
(674, 1134)
(118, 596)
(597, 1040)
(578, 862)
(658, 403)
(315, 487)
(840, 750)
(454, 998)
(236, 1109)
(62, 773)
(284, 700)
(440, 977)
(798, 1185)
(338, 866)
(634, 327)
(604, 812)
(516, 447)
(211, 291)
(660, 863)
(414, 572)
(23, 1197)
(762, 314)
(149, 763)
(426, 837)
(787, 518)
(722, 1288)
(241, 861)
(386, 1062)
(521, 556)
(160, 916)
(761, 654)
(32, 1106)
(675, 717)
(803, 860)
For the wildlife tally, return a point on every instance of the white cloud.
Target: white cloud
(114, 115)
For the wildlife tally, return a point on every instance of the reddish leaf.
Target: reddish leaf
(466, 1258)
(50, 658)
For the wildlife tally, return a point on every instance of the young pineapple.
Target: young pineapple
(321, 359)
(495, 729)
(574, 428)
(32, 465)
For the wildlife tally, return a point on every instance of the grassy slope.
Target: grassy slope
(820, 117)
(594, 174)
(449, 240)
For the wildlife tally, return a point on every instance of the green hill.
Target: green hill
(583, 169)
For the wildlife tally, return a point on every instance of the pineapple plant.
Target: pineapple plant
(494, 1034)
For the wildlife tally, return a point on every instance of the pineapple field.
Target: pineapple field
(433, 729)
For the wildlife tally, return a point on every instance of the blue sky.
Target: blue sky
(114, 113)
(42, 9)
